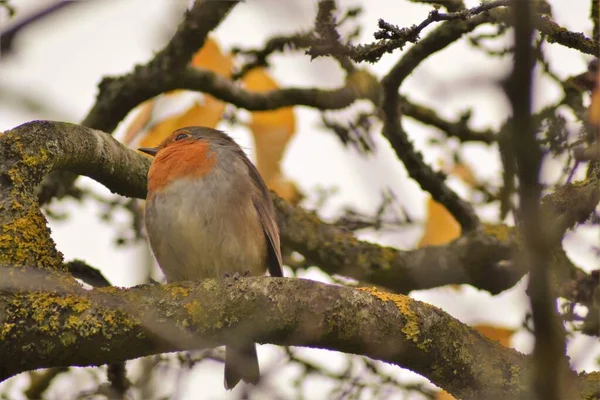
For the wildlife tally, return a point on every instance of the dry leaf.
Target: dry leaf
(139, 122)
(594, 110)
(440, 227)
(497, 333)
(272, 131)
(465, 173)
(443, 395)
(208, 113)
(210, 57)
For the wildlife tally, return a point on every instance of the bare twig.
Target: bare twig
(392, 128)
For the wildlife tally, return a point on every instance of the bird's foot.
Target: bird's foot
(237, 275)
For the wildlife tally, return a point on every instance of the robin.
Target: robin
(209, 213)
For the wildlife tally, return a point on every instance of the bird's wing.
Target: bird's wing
(266, 213)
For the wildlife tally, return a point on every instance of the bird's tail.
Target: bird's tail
(241, 363)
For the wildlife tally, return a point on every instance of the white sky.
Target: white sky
(61, 60)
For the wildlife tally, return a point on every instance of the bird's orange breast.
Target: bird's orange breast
(186, 159)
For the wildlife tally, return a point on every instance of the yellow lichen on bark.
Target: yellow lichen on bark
(501, 232)
(24, 237)
(402, 302)
(26, 241)
(56, 314)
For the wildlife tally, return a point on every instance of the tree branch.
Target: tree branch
(549, 358)
(131, 323)
(430, 181)
(478, 258)
(119, 95)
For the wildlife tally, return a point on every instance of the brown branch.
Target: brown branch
(8, 35)
(391, 37)
(130, 323)
(99, 156)
(558, 34)
(274, 44)
(595, 18)
(549, 358)
(430, 181)
(450, 5)
(459, 129)
(477, 258)
(226, 90)
(119, 95)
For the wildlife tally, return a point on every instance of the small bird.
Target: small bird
(209, 213)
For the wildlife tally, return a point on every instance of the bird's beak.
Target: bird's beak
(149, 150)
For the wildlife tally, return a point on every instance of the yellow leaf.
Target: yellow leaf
(594, 110)
(443, 395)
(465, 173)
(272, 131)
(210, 57)
(497, 333)
(139, 122)
(207, 114)
(440, 227)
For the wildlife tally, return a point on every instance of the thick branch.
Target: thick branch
(109, 325)
(472, 259)
(477, 258)
(27, 154)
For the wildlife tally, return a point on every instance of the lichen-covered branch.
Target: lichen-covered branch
(477, 258)
(31, 151)
(472, 259)
(85, 328)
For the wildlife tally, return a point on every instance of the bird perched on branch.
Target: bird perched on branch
(208, 213)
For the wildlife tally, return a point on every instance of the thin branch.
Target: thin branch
(430, 181)
(391, 37)
(119, 95)
(90, 275)
(459, 128)
(8, 35)
(228, 91)
(595, 18)
(559, 34)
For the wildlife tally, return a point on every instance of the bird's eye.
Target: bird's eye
(181, 136)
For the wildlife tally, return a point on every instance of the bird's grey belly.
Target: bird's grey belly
(206, 237)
